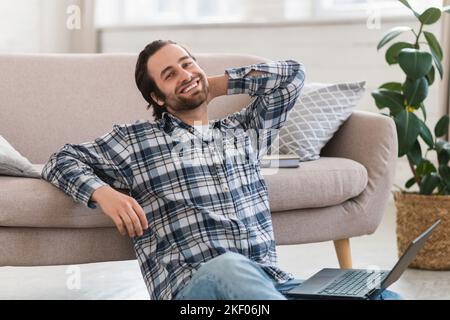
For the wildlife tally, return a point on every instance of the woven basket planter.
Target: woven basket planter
(415, 213)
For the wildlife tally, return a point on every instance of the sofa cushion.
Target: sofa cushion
(315, 184)
(326, 182)
(27, 202)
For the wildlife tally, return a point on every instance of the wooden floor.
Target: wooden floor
(122, 280)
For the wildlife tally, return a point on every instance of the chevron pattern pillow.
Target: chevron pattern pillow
(317, 115)
(12, 163)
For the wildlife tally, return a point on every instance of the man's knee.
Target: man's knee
(237, 277)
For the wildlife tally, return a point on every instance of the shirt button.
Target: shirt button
(226, 189)
(191, 130)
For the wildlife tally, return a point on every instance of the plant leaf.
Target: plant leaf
(392, 86)
(444, 172)
(443, 158)
(388, 99)
(429, 183)
(415, 63)
(393, 51)
(425, 133)
(436, 51)
(430, 16)
(408, 128)
(425, 167)
(442, 147)
(434, 44)
(415, 91)
(441, 127)
(430, 76)
(415, 153)
(391, 34)
(437, 63)
(406, 3)
(443, 152)
(410, 183)
(424, 112)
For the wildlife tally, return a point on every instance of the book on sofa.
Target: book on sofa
(280, 161)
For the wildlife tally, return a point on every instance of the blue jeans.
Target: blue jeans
(232, 276)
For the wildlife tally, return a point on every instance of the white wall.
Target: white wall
(19, 26)
(331, 52)
(40, 26)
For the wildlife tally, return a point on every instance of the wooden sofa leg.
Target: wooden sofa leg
(343, 253)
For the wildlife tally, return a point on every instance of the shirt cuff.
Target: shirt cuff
(87, 188)
(239, 83)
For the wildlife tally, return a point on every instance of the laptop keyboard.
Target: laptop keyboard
(354, 282)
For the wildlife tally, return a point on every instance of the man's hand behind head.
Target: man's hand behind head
(124, 210)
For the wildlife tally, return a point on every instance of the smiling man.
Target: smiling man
(197, 210)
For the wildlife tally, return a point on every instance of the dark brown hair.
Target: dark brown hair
(144, 80)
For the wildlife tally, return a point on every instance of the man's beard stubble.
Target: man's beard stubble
(181, 103)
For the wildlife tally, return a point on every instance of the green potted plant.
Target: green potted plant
(428, 156)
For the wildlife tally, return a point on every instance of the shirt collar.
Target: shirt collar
(169, 122)
(168, 119)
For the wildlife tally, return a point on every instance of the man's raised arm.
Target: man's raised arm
(275, 87)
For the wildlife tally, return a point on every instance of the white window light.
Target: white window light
(150, 12)
(338, 8)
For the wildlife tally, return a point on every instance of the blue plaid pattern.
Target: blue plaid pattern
(203, 195)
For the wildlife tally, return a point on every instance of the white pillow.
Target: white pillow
(319, 112)
(12, 163)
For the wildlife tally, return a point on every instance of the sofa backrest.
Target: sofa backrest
(48, 100)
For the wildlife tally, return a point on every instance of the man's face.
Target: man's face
(183, 83)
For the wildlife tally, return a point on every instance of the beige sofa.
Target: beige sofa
(49, 100)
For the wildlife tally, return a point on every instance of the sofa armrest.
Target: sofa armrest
(370, 139)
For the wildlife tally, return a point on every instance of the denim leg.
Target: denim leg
(230, 276)
(387, 295)
(288, 285)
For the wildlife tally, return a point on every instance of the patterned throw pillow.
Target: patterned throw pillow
(12, 163)
(317, 115)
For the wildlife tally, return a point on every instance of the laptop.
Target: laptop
(357, 283)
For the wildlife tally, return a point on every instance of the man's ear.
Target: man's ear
(155, 98)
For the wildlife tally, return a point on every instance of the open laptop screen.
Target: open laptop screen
(407, 257)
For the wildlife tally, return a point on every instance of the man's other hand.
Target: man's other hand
(125, 211)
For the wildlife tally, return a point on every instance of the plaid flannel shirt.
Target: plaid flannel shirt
(202, 195)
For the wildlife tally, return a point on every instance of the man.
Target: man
(198, 211)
